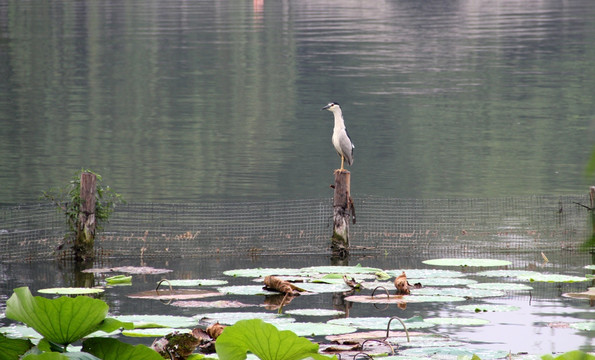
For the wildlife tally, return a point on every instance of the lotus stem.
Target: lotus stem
(402, 323)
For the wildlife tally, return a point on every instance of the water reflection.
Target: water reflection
(176, 100)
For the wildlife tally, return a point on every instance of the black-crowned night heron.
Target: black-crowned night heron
(340, 138)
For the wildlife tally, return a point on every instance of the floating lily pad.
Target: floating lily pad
(442, 281)
(315, 329)
(507, 273)
(589, 294)
(585, 325)
(554, 278)
(71, 291)
(153, 332)
(590, 267)
(119, 280)
(426, 273)
(221, 304)
(261, 272)
(455, 351)
(381, 323)
(324, 288)
(158, 321)
(487, 308)
(464, 292)
(229, 318)
(245, 290)
(467, 262)
(466, 321)
(20, 332)
(194, 282)
(422, 341)
(146, 270)
(401, 299)
(500, 286)
(185, 294)
(314, 312)
(358, 269)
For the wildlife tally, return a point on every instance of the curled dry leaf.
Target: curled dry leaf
(215, 330)
(402, 285)
(352, 283)
(274, 283)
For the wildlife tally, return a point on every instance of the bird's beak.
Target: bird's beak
(326, 107)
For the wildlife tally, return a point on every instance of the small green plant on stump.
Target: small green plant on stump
(87, 205)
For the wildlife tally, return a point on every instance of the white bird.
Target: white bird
(341, 139)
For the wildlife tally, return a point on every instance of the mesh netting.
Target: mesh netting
(383, 225)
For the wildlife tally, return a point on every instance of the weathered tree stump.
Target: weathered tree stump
(85, 235)
(341, 214)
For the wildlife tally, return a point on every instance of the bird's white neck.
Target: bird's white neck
(339, 122)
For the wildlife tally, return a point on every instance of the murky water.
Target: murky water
(178, 100)
(539, 327)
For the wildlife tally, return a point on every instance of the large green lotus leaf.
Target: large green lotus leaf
(500, 286)
(571, 355)
(158, 321)
(464, 292)
(585, 325)
(487, 308)
(467, 262)
(71, 291)
(261, 272)
(426, 273)
(455, 351)
(381, 323)
(457, 321)
(195, 282)
(552, 278)
(12, 348)
(265, 341)
(506, 273)
(113, 349)
(59, 356)
(314, 312)
(62, 320)
(315, 329)
(358, 269)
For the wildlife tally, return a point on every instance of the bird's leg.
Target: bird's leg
(342, 160)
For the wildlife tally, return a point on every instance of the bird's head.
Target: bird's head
(333, 106)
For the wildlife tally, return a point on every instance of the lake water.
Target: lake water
(220, 100)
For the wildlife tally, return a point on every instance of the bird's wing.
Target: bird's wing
(347, 148)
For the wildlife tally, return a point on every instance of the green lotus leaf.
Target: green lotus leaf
(500, 286)
(464, 292)
(554, 278)
(487, 308)
(261, 272)
(585, 325)
(358, 269)
(71, 291)
(233, 317)
(195, 282)
(118, 279)
(457, 321)
(113, 349)
(158, 321)
(62, 320)
(245, 290)
(314, 312)
(506, 273)
(467, 262)
(59, 356)
(265, 341)
(442, 281)
(13, 348)
(426, 273)
(381, 323)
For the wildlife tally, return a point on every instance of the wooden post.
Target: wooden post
(341, 214)
(85, 237)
